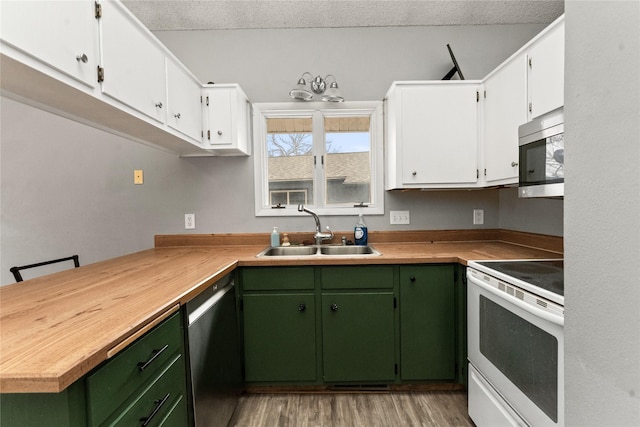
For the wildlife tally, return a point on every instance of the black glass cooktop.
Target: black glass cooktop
(547, 275)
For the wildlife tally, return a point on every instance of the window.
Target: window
(326, 157)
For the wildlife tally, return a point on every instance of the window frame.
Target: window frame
(318, 110)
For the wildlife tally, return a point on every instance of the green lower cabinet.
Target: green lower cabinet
(279, 337)
(427, 323)
(64, 409)
(358, 336)
(147, 380)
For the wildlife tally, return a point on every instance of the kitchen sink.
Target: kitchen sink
(322, 250)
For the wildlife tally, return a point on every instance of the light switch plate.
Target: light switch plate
(478, 216)
(399, 217)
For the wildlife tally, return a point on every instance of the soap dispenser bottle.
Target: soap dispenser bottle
(275, 237)
(360, 232)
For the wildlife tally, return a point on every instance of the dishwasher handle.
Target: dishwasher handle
(196, 313)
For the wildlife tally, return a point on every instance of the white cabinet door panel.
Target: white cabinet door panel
(184, 111)
(438, 134)
(60, 34)
(546, 72)
(505, 109)
(133, 61)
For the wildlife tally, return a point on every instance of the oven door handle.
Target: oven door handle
(554, 318)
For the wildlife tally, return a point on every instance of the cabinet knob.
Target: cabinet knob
(334, 307)
(159, 104)
(82, 58)
(219, 132)
(412, 279)
(530, 107)
(302, 307)
(514, 164)
(414, 173)
(177, 116)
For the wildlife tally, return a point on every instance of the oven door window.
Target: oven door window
(524, 353)
(542, 161)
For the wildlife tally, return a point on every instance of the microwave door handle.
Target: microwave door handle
(554, 318)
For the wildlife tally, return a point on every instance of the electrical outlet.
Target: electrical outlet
(138, 177)
(478, 216)
(189, 221)
(399, 217)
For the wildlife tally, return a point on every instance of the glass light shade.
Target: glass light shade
(333, 94)
(300, 91)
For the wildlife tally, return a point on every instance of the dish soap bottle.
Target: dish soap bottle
(360, 232)
(275, 237)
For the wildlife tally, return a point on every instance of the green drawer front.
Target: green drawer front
(357, 277)
(158, 402)
(121, 377)
(278, 278)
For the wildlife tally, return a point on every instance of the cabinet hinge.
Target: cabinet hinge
(477, 96)
(477, 174)
(241, 304)
(207, 101)
(485, 171)
(100, 74)
(98, 10)
(485, 94)
(395, 302)
(395, 368)
(209, 135)
(530, 62)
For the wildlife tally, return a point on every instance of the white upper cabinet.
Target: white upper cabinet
(62, 35)
(133, 61)
(432, 134)
(505, 108)
(545, 70)
(226, 120)
(184, 95)
(528, 84)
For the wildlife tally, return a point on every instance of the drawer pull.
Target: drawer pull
(156, 352)
(146, 420)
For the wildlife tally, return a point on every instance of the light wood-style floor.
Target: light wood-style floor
(382, 409)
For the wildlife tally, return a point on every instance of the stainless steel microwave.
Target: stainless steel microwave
(541, 156)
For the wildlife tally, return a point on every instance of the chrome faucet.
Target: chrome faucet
(319, 236)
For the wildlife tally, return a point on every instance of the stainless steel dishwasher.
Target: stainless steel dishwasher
(214, 354)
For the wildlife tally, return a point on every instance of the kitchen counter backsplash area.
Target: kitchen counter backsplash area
(539, 241)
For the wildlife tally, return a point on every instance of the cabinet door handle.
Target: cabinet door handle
(334, 307)
(146, 420)
(156, 352)
(302, 307)
(82, 58)
(514, 164)
(159, 105)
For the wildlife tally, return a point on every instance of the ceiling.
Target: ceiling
(186, 15)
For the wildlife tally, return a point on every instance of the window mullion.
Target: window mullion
(319, 152)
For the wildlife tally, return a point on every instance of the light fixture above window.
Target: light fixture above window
(317, 85)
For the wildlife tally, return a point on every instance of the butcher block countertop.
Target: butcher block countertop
(57, 328)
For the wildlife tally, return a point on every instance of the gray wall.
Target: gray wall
(602, 213)
(68, 188)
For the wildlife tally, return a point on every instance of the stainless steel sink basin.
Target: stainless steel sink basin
(290, 251)
(322, 250)
(348, 250)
